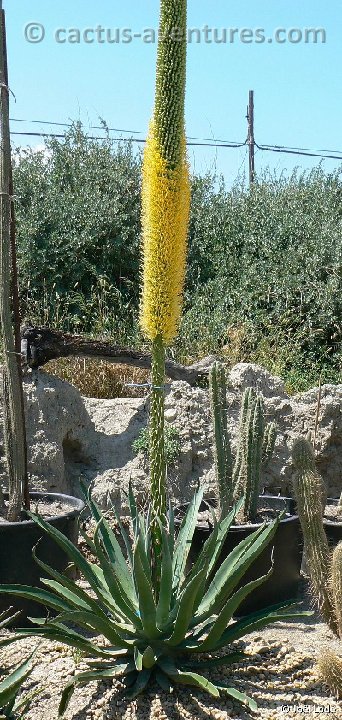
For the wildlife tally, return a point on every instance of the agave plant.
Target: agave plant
(151, 636)
(10, 706)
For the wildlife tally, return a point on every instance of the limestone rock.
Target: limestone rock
(70, 436)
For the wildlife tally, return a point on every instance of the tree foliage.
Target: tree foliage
(264, 272)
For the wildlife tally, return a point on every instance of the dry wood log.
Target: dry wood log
(40, 344)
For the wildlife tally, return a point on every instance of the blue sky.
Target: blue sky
(297, 86)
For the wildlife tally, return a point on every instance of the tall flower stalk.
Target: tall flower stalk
(165, 218)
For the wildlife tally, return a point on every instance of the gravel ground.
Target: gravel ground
(280, 675)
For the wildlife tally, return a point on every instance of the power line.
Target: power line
(191, 141)
(121, 130)
(118, 139)
(288, 151)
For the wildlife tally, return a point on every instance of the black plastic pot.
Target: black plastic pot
(333, 529)
(17, 539)
(287, 556)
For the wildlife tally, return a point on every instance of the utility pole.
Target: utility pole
(14, 417)
(250, 137)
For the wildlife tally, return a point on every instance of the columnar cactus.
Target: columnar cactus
(165, 218)
(255, 446)
(336, 585)
(307, 485)
(330, 670)
(222, 450)
(329, 663)
(324, 567)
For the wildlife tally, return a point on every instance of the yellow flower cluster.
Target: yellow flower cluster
(165, 219)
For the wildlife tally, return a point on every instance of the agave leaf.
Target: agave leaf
(85, 567)
(222, 532)
(138, 659)
(203, 558)
(116, 590)
(61, 634)
(24, 703)
(184, 539)
(87, 540)
(234, 567)
(171, 527)
(43, 597)
(7, 617)
(237, 630)
(150, 657)
(204, 565)
(224, 617)
(140, 684)
(147, 605)
(164, 682)
(124, 536)
(84, 599)
(90, 676)
(113, 551)
(237, 695)
(140, 543)
(187, 678)
(69, 596)
(65, 698)
(91, 621)
(13, 682)
(185, 609)
(165, 591)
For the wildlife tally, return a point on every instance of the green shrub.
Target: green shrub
(172, 443)
(264, 265)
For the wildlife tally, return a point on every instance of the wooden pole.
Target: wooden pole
(15, 284)
(250, 138)
(14, 424)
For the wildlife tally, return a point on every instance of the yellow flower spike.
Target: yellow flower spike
(165, 219)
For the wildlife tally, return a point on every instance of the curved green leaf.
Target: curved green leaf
(140, 684)
(147, 605)
(165, 591)
(185, 609)
(234, 567)
(224, 617)
(237, 695)
(184, 539)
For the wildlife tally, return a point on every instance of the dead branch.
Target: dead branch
(40, 344)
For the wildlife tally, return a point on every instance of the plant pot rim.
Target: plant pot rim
(75, 504)
(246, 526)
(327, 521)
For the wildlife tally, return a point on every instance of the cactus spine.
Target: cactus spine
(222, 450)
(165, 218)
(254, 449)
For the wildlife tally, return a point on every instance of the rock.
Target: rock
(70, 436)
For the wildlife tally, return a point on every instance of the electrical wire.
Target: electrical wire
(191, 141)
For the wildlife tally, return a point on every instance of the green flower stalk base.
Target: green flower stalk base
(157, 452)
